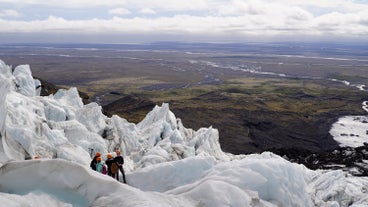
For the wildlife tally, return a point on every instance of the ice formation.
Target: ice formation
(166, 163)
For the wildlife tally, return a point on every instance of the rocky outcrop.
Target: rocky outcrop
(353, 160)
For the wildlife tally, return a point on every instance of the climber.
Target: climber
(94, 161)
(112, 167)
(120, 161)
(100, 166)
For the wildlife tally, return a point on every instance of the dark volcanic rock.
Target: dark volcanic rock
(270, 129)
(47, 88)
(353, 160)
(243, 132)
(129, 107)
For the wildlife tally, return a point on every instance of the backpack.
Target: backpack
(104, 169)
(114, 168)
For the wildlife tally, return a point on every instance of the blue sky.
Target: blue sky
(131, 21)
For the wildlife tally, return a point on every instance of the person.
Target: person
(120, 161)
(110, 162)
(94, 161)
(99, 165)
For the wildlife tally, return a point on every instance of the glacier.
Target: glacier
(166, 164)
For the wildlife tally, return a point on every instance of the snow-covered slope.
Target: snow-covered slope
(166, 163)
(351, 131)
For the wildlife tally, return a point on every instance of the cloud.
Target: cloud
(119, 11)
(147, 11)
(176, 5)
(234, 19)
(248, 24)
(65, 3)
(186, 5)
(9, 13)
(343, 24)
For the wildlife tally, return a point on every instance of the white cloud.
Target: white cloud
(65, 3)
(119, 11)
(177, 5)
(9, 13)
(172, 5)
(239, 7)
(288, 24)
(343, 24)
(147, 11)
(187, 5)
(192, 18)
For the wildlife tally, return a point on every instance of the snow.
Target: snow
(166, 164)
(4, 85)
(74, 184)
(25, 83)
(365, 106)
(351, 131)
(264, 177)
(339, 189)
(169, 175)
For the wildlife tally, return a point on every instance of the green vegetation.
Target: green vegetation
(275, 94)
(350, 78)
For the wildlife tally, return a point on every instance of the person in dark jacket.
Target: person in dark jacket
(120, 161)
(109, 162)
(94, 161)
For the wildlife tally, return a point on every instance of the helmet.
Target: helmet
(98, 159)
(117, 152)
(98, 154)
(109, 155)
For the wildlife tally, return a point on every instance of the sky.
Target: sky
(141, 21)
